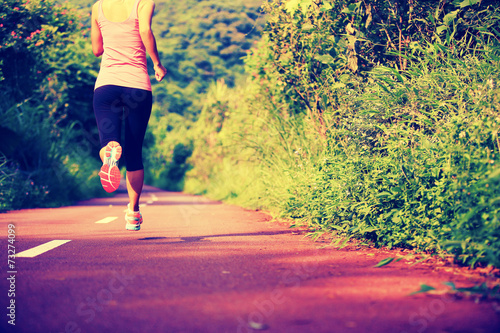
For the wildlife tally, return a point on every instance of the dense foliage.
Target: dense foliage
(370, 119)
(47, 132)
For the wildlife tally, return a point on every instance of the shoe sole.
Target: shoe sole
(110, 174)
(133, 227)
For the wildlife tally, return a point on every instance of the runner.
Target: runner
(121, 33)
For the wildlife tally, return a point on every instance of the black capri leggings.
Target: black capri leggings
(114, 104)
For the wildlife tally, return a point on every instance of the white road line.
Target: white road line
(107, 219)
(153, 199)
(31, 253)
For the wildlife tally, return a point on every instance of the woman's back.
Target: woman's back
(124, 58)
(117, 10)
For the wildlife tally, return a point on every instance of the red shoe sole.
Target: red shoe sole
(110, 176)
(118, 150)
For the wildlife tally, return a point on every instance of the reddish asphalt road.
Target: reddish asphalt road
(202, 266)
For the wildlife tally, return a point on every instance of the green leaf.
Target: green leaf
(338, 85)
(481, 289)
(326, 6)
(423, 289)
(495, 174)
(351, 8)
(293, 5)
(448, 18)
(450, 284)
(467, 3)
(370, 229)
(305, 4)
(384, 262)
(325, 59)
(440, 29)
(308, 27)
(494, 201)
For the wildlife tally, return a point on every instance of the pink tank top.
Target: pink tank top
(124, 59)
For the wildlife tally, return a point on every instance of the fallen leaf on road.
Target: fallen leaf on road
(384, 262)
(423, 289)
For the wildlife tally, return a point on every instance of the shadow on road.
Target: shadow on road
(124, 202)
(202, 238)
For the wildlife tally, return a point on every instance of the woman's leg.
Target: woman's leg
(108, 111)
(135, 181)
(138, 110)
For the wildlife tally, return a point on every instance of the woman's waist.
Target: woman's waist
(118, 66)
(129, 79)
(135, 57)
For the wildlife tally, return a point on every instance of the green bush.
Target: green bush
(167, 150)
(355, 135)
(48, 136)
(44, 167)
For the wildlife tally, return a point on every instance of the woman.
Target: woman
(121, 33)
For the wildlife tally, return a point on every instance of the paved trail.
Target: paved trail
(202, 266)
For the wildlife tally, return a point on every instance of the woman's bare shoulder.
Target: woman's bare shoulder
(95, 6)
(95, 9)
(146, 3)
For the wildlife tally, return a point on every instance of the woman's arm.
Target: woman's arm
(146, 10)
(95, 34)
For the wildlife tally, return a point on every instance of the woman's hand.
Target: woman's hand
(160, 72)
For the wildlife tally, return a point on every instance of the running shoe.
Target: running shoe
(133, 219)
(110, 174)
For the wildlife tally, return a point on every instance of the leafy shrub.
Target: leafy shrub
(167, 151)
(48, 134)
(394, 142)
(39, 172)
